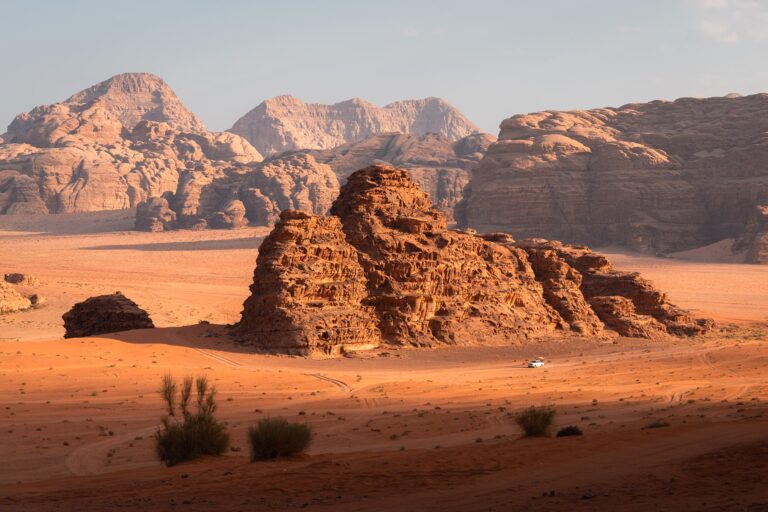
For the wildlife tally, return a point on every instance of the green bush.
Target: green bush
(570, 430)
(536, 421)
(187, 435)
(273, 438)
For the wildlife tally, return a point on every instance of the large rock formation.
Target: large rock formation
(307, 292)
(657, 177)
(235, 196)
(104, 314)
(108, 147)
(440, 166)
(387, 248)
(286, 123)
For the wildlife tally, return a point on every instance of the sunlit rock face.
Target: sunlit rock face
(656, 177)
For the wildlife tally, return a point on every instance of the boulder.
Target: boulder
(104, 314)
(12, 300)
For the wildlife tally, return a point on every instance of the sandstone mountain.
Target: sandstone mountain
(235, 196)
(286, 123)
(656, 177)
(439, 166)
(384, 269)
(108, 147)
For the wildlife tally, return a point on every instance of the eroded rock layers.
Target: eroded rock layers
(109, 147)
(308, 291)
(656, 177)
(384, 268)
(441, 167)
(236, 196)
(104, 314)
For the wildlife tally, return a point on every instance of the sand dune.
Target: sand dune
(395, 430)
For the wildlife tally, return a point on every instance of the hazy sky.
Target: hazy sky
(491, 59)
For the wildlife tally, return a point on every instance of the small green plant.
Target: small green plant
(536, 421)
(656, 424)
(186, 435)
(570, 430)
(272, 438)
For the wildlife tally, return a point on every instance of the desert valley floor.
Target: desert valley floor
(395, 429)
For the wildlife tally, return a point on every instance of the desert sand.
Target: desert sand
(394, 430)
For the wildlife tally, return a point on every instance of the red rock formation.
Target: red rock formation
(428, 284)
(625, 301)
(657, 177)
(754, 240)
(386, 258)
(286, 123)
(308, 291)
(104, 314)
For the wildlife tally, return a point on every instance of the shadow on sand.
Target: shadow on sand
(251, 242)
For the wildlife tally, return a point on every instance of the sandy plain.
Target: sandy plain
(395, 429)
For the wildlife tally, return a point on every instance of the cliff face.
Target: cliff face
(108, 147)
(308, 291)
(236, 196)
(655, 177)
(386, 256)
(439, 166)
(286, 123)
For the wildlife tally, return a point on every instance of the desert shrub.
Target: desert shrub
(186, 435)
(656, 424)
(272, 438)
(536, 421)
(570, 430)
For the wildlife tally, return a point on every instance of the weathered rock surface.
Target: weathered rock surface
(104, 314)
(308, 289)
(243, 194)
(386, 256)
(441, 167)
(108, 147)
(12, 300)
(624, 301)
(754, 240)
(656, 177)
(286, 123)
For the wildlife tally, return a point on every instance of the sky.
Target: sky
(490, 59)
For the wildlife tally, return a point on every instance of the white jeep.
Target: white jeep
(536, 363)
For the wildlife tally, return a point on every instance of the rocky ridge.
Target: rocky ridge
(286, 123)
(236, 196)
(108, 147)
(386, 253)
(656, 177)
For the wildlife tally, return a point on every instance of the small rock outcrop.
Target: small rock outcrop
(12, 300)
(237, 196)
(308, 291)
(108, 147)
(285, 123)
(657, 177)
(385, 269)
(104, 314)
(440, 166)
